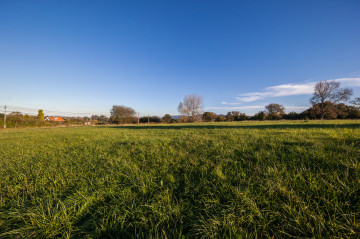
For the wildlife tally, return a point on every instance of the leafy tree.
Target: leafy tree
(242, 117)
(95, 117)
(341, 111)
(209, 116)
(229, 117)
(328, 111)
(183, 119)
(155, 119)
(260, 116)
(41, 114)
(166, 118)
(353, 112)
(151, 119)
(85, 119)
(191, 107)
(220, 118)
(274, 111)
(103, 118)
(291, 116)
(235, 115)
(123, 114)
(329, 91)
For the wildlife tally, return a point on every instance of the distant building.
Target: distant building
(55, 119)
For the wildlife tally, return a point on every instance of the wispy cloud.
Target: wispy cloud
(306, 88)
(257, 107)
(348, 82)
(289, 90)
(227, 103)
(278, 91)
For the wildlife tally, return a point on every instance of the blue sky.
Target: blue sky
(85, 56)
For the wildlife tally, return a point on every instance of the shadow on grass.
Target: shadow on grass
(270, 126)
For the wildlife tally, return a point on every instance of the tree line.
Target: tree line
(328, 102)
(16, 119)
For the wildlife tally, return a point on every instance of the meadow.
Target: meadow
(278, 179)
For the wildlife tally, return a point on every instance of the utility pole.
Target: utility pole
(5, 118)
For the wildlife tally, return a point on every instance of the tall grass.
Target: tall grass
(286, 179)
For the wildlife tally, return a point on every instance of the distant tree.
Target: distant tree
(191, 107)
(166, 118)
(183, 119)
(342, 111)
(209, 116)
(329, 91)
(260, 116)
(150, 119)
(85, 119)
(229, 117)
(144, 119)
(123, 114)
(274, 111)
(236, 115)
(242, 117)
(103, 118)
(329, 111)
(41, 114)
(353, 112)
(155, 119)
(305, 114)
(16, 113)
(356, 102)
(220, 118)
(95, 117)
(291, 116)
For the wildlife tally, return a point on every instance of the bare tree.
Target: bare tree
(329, 91)
(191, 107)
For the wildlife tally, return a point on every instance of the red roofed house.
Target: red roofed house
(56, 119)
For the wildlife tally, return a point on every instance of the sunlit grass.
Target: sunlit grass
(240, 179)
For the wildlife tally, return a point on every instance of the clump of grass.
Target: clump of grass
(240, 179)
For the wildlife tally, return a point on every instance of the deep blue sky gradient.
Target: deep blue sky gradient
(85, 56)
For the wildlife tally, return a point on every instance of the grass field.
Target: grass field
(285, 179)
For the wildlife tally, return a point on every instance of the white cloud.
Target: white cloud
(348, 82)
(250, 97)
(290, 89)
(288, 108)
(279, 91)
(226, 103)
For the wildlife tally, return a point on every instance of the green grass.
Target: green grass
(285, 179)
